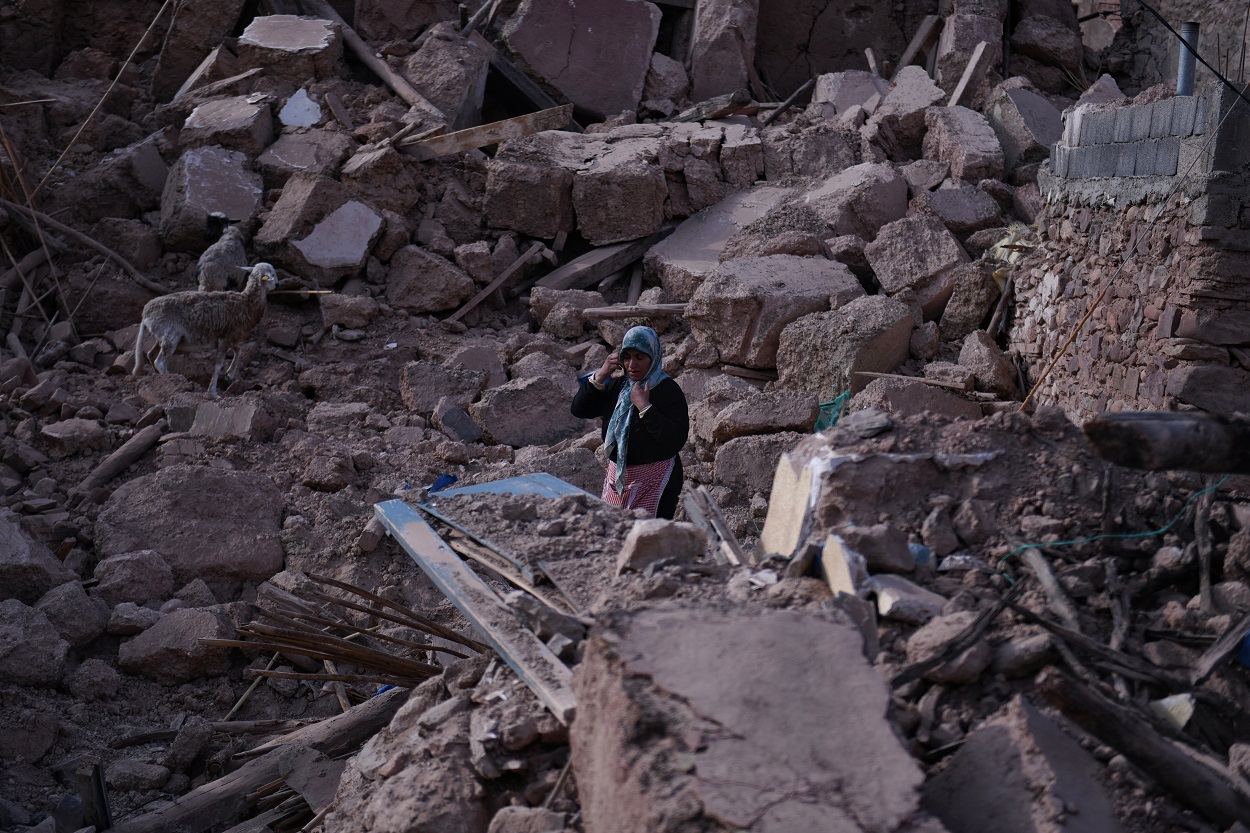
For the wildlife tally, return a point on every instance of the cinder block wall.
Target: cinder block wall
(1170, 182)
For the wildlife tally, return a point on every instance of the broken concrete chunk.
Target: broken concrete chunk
(242, 418)
(423, 384)
(78, 618)
(1048, 41)
(883, 546)
(842, 568)
(1027, 126)
(318, 230)
(909, 397)
(189, 39)
(666, 79)
(966, 667)
(765, 413)
(451, 73)
(993, 369)
(915, 252)
(673, 662)
(523, 412)
(243, 123)
(1103, 91)
(202, 181)
(821, 352)
(171, 651)
(971, 300)
(966, 140)
(860, 200)
(837, 92)
(722, 43)
(595, 52)
(620, 194)
(529, 183)
(383, 178)
(684, 259)
(294, 48)
(312, 151)
(925, 174)
(902, 110)
(960, 35)
(1020, 772)
(963, 209)
(140, 577)
(420, 281)
(905, 601)
(744, 304)
(655, 542)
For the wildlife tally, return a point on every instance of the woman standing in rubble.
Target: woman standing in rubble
(645, 424)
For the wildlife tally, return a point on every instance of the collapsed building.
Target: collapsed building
(895, 255)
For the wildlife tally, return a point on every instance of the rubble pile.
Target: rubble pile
(467, 206)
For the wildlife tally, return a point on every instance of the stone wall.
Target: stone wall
(1167, 182)
(1150, 52)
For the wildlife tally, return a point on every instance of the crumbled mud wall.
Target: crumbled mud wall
(1148, 52)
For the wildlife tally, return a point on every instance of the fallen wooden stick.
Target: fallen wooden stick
(926, 32)
(134, 273)
(525, 85)
(1056, 598)
(487, 134)
(1222, 649)
(975, 68)
(1164, 440)
(221, 801)
(634, 311)
(496, 283)
(398, 84)
(121, 459)
(1198, 783)
(785, 105)
(738, 102)
(598, 263)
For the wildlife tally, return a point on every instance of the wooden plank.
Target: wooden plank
(533, 661)
(729, 542)
(873, 66)
(738, 102)
(635, 284)
(927, 30)
(633, 311)
(1224, 647)
(522, 82)
(496, 283)
(1193, 779)
(598, 263)
(488, 134)
(974, 72)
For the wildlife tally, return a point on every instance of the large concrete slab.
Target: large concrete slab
(202, 181)
(772, 722)
(294, 48)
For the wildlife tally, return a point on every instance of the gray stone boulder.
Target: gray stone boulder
(28, 569)
(1049, 42)
(533, 411)
(931, 638)
(747, 464)
(424, 384)
(420, 281)
(222, 526)
(94, 679)
(821, 353)
(1027, 126)
(966, 140)
(971, 300)
(139, 577)
(620, 194)
(78, 618)
(898, 123)
(657, 541)
(171, 651)
(837, 92)
(963, 209)
(31, 651)
(128, 619)
(993, 369)
(746, 303)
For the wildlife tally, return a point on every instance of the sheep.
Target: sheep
(223, 320)
(220, 262)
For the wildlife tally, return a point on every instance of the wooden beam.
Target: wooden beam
(496, 283)
(598, 263)
(633, 311)
(1222, 649)
(523, 83)
(738, 102)
(873, 66)
(1164, 440)
(974, 72)
(222, 801)
(488, 134)
(524, 653)
(398, 84)
(925, 33)
(1195, 782)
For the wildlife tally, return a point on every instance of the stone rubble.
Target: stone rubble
(859, 244)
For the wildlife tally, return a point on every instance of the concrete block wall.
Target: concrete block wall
(1168, 181)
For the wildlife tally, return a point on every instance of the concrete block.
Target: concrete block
(861, 199)
(1108, 160)
(910, 252)
(529, 183)
(237, 418)
(1027, 126)
(1098, 128)
(242, 123)
(745, 304)
(451, 73)
(1059, 157)
(1161, 115)
(1123, 124)
(294, 48)
(1214, 210)
(1202, 110)
(1167, 157)
(1141, 116)
(744, 462)
(1147, 153)
(312, 151)
(837, 92)
(595, 52)
(1184, 112)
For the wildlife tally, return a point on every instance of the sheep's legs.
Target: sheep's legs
(212, 386)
